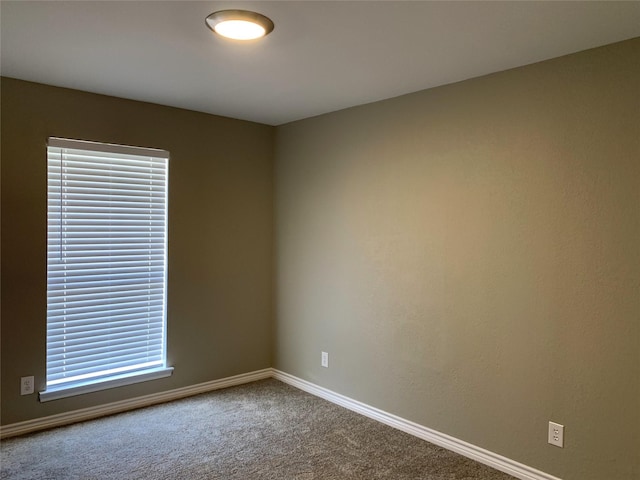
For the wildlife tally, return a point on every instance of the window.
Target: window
(106, 266)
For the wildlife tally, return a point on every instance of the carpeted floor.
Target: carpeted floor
(263, 430)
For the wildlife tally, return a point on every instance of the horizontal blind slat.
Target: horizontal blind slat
(108, 348)
(74, 299)
(105, 291)
(62, 378)
(92, 280)
(83, 322)
(111, 313)
(100, 333)
(119, 342)
(99, 365)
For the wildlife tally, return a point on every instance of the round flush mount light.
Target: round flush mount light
(239, 24)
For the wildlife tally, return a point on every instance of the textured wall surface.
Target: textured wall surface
(469, 256)
(220, 236)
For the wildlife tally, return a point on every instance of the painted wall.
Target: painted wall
(469, 256)
(220, 236)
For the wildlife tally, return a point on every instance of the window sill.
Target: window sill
(111, 382)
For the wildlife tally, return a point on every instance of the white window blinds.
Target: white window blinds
(106, 263)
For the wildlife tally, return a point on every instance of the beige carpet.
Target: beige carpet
(263, 430)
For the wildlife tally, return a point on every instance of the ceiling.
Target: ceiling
(322, 56)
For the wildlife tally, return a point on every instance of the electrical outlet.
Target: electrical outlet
(324, 361)
(26, 385)
(556, 434)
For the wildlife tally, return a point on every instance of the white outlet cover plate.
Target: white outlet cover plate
(556, 434)
(324, 361)
(26, 385)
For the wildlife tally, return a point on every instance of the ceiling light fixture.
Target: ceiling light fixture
(239, 24)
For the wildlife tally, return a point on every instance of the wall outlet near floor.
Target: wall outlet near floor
(26, 385)
(324, 360)
(556, 434)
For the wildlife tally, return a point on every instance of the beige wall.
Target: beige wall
(220, 236)
(469, 256)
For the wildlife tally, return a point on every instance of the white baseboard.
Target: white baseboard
(478, 454)
(130, 404)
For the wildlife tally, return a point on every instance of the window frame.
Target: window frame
(62, 389)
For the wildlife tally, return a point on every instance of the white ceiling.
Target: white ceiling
(322, 56)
